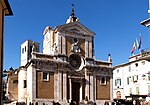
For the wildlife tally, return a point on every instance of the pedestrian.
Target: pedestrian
(57, 103)
(72, 103)
(53, 102)
(106, 103)
(17, 103)
(113, 103)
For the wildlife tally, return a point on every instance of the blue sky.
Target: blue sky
(115, 22)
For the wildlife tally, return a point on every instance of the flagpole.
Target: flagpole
(140, 43)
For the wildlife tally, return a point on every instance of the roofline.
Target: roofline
(28, 41)
(145, 21)
(57, 27)
(134, 56)
(128, 63)
(104, 61)
(121, 65)
(8, 8)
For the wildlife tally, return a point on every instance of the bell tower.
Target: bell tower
(26, 51)
(72, 17)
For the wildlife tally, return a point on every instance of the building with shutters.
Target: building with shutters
(132, 79)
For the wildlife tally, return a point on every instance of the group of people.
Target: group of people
(139, 102)
(56, 103)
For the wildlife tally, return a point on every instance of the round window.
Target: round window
(75, 40)
(75, 61)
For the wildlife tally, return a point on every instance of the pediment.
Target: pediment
(76, 27)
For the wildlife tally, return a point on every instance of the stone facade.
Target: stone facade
(103, 91)
(67, 69)
(12, 86)
(43, 87)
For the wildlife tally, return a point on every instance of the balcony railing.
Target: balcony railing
(145, 51)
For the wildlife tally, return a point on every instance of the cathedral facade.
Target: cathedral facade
(66, 69)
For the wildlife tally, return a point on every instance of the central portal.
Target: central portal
(76, 91)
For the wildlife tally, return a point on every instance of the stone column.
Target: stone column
(64, 45)
(87, 84)
(90, 49)
(94, 84)
(91, 88)
(65, 87)
(81, 92)
(70, 88)
(60, 86)
(86, 49)
(111, 88)
(33, 83)
(59, 43)
(55, 86)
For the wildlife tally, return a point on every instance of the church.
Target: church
(65, 70)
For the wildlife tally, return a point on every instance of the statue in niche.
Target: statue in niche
(55, 48)
(75, 47)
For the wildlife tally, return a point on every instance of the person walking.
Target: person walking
(106, 103)
(72, 103)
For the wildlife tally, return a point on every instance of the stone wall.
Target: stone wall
(13, 87)
(103, 91)
(45, 89)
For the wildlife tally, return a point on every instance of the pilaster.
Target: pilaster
(91, 88)
(90, 49)
(63, 45)
(56, 86)
(70, 89)
(60, 86)
(59, 44)
(86, 49)
(64, 87)
(111, 88)
(87, 84)
(81, 92)
(94, 84)
(34, 82)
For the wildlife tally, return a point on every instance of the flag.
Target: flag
(133, 47)
(137, 43)
(140, 42)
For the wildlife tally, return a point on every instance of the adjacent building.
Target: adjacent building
(147, 21)
(5, 10)
(65, 70)
(132, 79)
